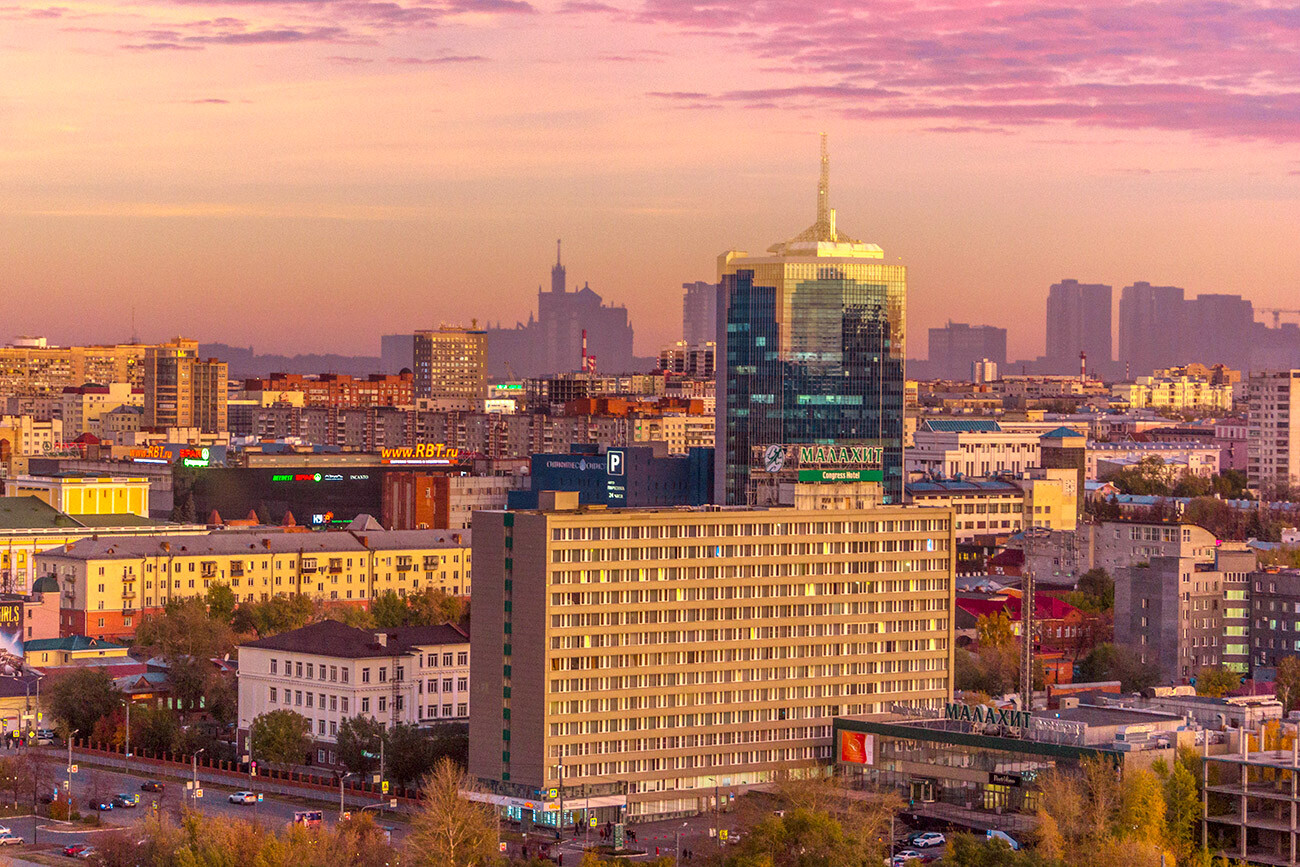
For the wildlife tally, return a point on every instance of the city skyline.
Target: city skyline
(385, 151)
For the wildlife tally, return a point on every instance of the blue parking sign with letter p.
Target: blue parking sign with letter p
(614, 462)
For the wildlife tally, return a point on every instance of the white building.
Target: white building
(328, 672)
(83, 406)
(947, 447)
(1273, 448)
(1106, 459)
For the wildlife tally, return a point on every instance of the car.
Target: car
(45, 737)
(87, 853)
(1004, 837)
(122, 799)
(901, 858)
(926, 839)
(7, 839)
(101, 804)
(151, 786)
(4, 829)
(50, 795)
(243, 798)
(73, 850)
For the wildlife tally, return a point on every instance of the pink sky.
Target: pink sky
(304, 176)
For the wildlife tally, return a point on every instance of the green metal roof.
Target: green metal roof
(32, 513)
(70, 643)
(962, 426)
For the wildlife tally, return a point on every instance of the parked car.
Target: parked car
(122, 799)
(101, 804)
(901, 858)
(926, 839)
(45, 737)
(1004, 837)
(243, 798)
(8, 839)
(87, 853)
(73, 850)
(151, 786)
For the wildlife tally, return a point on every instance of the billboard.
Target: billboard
(857, 748)
(11, 637)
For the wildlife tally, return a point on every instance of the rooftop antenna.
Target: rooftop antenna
(824, 190)
(135, 338)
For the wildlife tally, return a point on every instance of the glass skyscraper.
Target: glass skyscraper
(810, 349)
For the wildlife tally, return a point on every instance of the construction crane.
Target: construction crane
(1277, 314)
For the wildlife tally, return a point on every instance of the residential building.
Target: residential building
(183, 391)
(1221, 329)
(451, 367)
(396, 352)
(1151, 327)
(980, 506)
(333, 390)
(329, 672)
(974, 448)
(80, 494)
(664, 655)
(1273, 431)
(31, 367)
(810, 351)
(1181, 615)
(695, 360)
(956, 346)
(699, 313)
(1175, 393)
(107, 584)
(1061, 557)
(72, 650)
(23, 435)
(83, 406)
(120, 425)
(680, 432)
(1078, 321)
(1106, 459)
(1274, 616)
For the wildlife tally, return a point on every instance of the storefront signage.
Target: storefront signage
(997, 778)
(777, 457)
(980, 713)
(857, 748)
(185, 455)
(421, 453)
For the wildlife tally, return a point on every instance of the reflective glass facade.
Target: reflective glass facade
(812, 339)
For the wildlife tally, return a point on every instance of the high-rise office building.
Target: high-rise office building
(810, 351)
(1219, 330)
(648, 659)
(1273, 431)
(451, 367)
(699, 313)
(956, 346)
(1078, 320)
(183, 391)
(1151, 324)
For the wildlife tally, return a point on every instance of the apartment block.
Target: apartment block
(655, 657)
(106, 585)
(183, 391)
(1273, 442)
(1181, 615)
(328, 672)
(451, 367)
(1274, 616)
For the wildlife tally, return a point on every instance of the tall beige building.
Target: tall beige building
(663, 656)
(32, 367)
(183, 391)
(451, 367)
(1273, 431)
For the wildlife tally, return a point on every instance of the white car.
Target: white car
(929, 839)
(243, 798)
(901, 858)
(7, 839)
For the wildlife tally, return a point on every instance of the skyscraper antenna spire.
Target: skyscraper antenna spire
(557, 251)
(824, 189)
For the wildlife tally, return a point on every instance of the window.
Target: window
(343, 675)
(446, 684)
(462, 710)
(309, 699)
(320, 727)
(365, 675)
(446, 710)
(288, 668)
(446, 660)
(334, 673)
(334, 703)
(462, 683)
(343, 706)
(320, 756)
(311, 672)
(334, 728)
(272, 695)
(383, 674)
(274, 665)
(399, 703)
(383, 704)
(462, 658)
(365, 705)
(299, 669)
(297, 698)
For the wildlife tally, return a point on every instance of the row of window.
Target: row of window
(686, 531)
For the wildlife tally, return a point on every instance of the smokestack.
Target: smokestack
(1083, 367)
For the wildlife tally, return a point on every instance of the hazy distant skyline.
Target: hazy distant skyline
(306, 175)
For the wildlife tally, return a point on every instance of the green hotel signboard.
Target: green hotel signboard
(841, 475)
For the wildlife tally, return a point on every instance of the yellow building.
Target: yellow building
(36, 368)
(1172, 392)
(71, 650)
(681, 432)
(1051, 498)
(107, 584)
(182, 390)
(77, 494)
(451, 367)
(659, 655)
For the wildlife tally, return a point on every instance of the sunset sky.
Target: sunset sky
(304, 176)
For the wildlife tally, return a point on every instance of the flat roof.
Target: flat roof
(224, 544)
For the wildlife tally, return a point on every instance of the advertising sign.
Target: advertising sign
(436, 454)
(11, 636)
(828, 458)
(857, 748)
(987, 714)
(182, 453)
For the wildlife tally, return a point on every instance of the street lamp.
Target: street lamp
(195, 791)
(341, 779)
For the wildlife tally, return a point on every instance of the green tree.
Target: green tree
(1115, 662)
(390, 611)
(359, 738)
(450, 830)
(994, 632)
(281, 737)
(1097, 584)
(432, 606)
(803, 838)
(184, 629)
(1216, 681)
(81, 697)
(1150, 477)
(221, 603)
(153, 729)
(1182, 811)
(410, 754)
(1287, 682)
(275, 615)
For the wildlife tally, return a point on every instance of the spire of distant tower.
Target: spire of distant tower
(824, 189)
(557, 273)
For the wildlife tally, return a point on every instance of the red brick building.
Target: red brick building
(341, 390)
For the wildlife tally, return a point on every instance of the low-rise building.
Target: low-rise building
(329, 672)
(72, 650)
(975, 448)
(83, 494)
(1106, 459)
(422, 501)
(107, 584)
(1167, 391)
